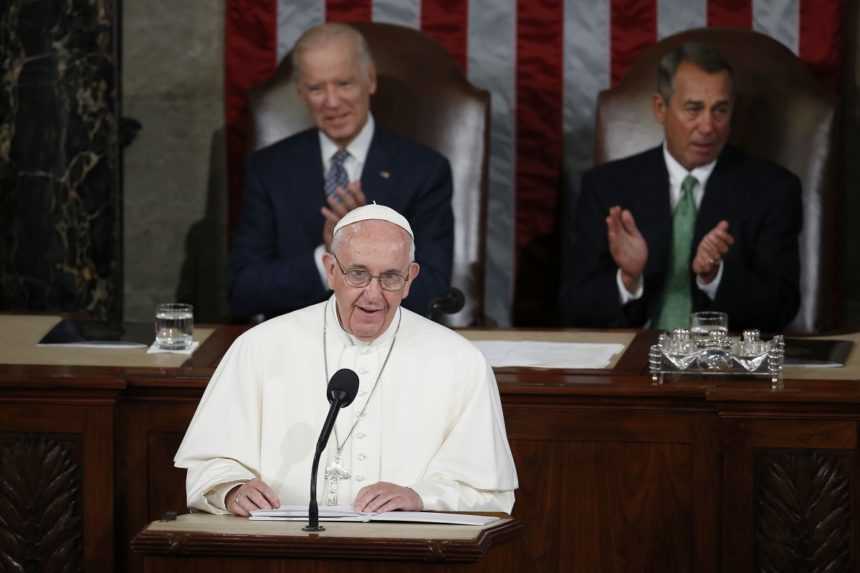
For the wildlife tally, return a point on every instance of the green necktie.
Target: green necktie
(675, 311)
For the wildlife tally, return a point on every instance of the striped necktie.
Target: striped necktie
(336, 176)
(677, 303)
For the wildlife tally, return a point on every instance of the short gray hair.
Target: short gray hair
(703, 56)
(341, 237)
(325, 33)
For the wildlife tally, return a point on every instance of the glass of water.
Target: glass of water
(174, 325)
(702, 323)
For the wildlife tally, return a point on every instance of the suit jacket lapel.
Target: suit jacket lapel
(655, 205)
(717, 197)
(306, 172)
(377, 177)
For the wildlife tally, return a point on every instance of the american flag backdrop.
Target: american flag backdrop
(544, 63)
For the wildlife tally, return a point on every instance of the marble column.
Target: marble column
(60, 241)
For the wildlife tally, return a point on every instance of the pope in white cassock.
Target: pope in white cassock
(425, 432)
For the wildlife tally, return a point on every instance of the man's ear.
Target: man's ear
(413, 271)
(371, 78)
(660, 107)
(329, 264)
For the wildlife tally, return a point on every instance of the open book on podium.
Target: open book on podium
(344, 513)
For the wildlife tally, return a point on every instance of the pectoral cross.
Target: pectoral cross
(333, 473)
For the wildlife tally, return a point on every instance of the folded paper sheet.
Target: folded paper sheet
(534, 354)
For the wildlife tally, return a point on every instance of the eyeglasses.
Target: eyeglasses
(359, 278)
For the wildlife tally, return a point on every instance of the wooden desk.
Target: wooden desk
(197, 542)
(615, 474)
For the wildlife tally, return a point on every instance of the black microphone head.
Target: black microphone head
(458, 300)
(343, 386)
(452, 302)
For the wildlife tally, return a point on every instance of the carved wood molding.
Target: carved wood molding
(803, 510)
(40, 503)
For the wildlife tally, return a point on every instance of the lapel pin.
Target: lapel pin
(384, 174)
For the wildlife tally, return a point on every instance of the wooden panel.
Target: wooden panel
(149, 433)
(41, 513)
(626, 423)
(803, 510)
(628, 508)
(611, 489)
(798, 434)
(74, 445)
(166, 482)
(538, 503)
(785, 484)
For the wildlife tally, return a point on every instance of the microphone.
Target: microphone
(341, 391)
(450, 303)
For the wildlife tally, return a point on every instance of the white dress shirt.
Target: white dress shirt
(354, 165)
(677, 174)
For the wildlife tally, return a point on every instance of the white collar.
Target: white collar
(678, 172)
(357, 148)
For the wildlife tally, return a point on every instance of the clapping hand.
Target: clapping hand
(710, 252)
(341, 202)
(627, 246)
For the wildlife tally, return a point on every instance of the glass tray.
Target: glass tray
(714, 352)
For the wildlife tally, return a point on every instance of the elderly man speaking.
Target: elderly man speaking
(425, 432)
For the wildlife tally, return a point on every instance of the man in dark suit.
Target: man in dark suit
(694, 224)
(297, 189)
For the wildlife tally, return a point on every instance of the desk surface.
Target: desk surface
(20, 335)
(21, 359)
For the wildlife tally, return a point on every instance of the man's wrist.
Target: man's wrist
(706, 279)
(631, 283)
(418, 497)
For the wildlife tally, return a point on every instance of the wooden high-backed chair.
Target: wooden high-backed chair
(782, 113)
(421, 94)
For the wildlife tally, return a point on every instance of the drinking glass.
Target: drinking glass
(174, 325)
(703, 322)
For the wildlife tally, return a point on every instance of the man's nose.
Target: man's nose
(706, 123)
(373, 290)
(331, 96)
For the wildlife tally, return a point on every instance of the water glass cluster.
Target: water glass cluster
(715, 352)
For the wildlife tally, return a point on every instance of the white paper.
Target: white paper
(434, 517)
(344, 513)
(534, 354)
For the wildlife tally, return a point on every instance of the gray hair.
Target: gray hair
(323, 34)
(703, 56)
(344, 233)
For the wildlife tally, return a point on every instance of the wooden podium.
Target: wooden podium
(208, 543)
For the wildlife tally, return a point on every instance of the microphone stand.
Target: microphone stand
(338, 399)
(313, 508)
